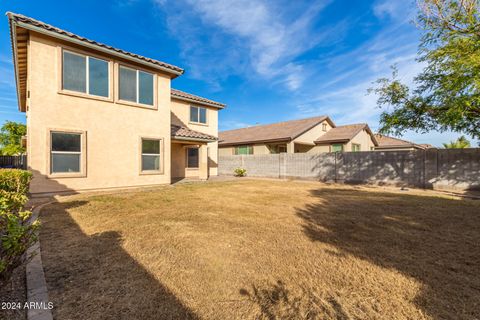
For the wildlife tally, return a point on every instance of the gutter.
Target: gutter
(197, 102)
(192, 139)
(253, 142)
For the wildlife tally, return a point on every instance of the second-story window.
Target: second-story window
(85, 74)
(198, 114)
(135, 86)
(324, 127)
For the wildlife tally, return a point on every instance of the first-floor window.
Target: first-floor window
(337, 147)
(65, 152)
(192, 157)
(243, 150)
(355, 147)
(151, 154)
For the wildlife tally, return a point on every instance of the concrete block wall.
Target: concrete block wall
(457, 169)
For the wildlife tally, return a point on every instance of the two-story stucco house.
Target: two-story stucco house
(310, 135)
(100, 117)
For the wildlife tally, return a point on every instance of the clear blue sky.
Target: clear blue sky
(268, 60)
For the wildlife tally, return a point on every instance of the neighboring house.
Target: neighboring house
(100, 117)
(386, 143)
(352, 137)
(312, 135)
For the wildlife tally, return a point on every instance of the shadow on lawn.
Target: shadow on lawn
(278, 302)
(434, 240)
(93, 277)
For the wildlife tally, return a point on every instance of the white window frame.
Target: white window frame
(87, 74)
(359, 147)
(198, 114)
(160, 156)
(137, 83)
(83, 144)
(324, 127)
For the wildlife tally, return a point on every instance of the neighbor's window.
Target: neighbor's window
(85, 74)
(243, 150)
(198, 114)
(192, 157)
(151, 154)
(324, 127)
(337, 147)
(135, 86)
(355, 147)
(65, 152)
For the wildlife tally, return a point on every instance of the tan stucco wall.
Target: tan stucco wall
(181, 116)
(260, 149)
(225, 151)
(257, 149)
(303, 148)
(312, 134)
(363, 139)
(113, 130)
(320, 148)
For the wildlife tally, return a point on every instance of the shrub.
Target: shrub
(16, 234)
(240, 172)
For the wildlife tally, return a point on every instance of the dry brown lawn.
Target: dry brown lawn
(256, 249)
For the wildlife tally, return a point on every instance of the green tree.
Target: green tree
(446, 94)
(460, 143)
(11, 138)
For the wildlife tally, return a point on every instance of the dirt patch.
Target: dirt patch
(14, 292)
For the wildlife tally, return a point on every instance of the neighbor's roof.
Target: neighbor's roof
(42, 27)
(280, 131)
(180, 95)
(391, 142)
(184, 133)
(344, 133)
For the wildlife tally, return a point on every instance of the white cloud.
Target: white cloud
(232, 124)
(394, 9)
(341, 90)
(260, 37)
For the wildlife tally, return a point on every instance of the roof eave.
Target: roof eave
(397, 146)
(192, 139)
(230, 144)
(27, 26)
(327, 118)
(13, 37)
(330, 141)
(198, 102)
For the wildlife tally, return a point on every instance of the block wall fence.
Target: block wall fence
(456, 169)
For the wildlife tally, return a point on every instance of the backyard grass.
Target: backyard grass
(256, 249)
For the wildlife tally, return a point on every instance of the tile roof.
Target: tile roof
(186, 133)
(390, 142)
(193, 98)
(342, 133)
(281, 131)
(51, 29)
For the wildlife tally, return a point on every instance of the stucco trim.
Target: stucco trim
(130, 103)
(207, 115)
(162, 157)
(186, 157)
(83, 156)
(59, 73)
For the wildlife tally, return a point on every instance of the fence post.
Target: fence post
(335, 170)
